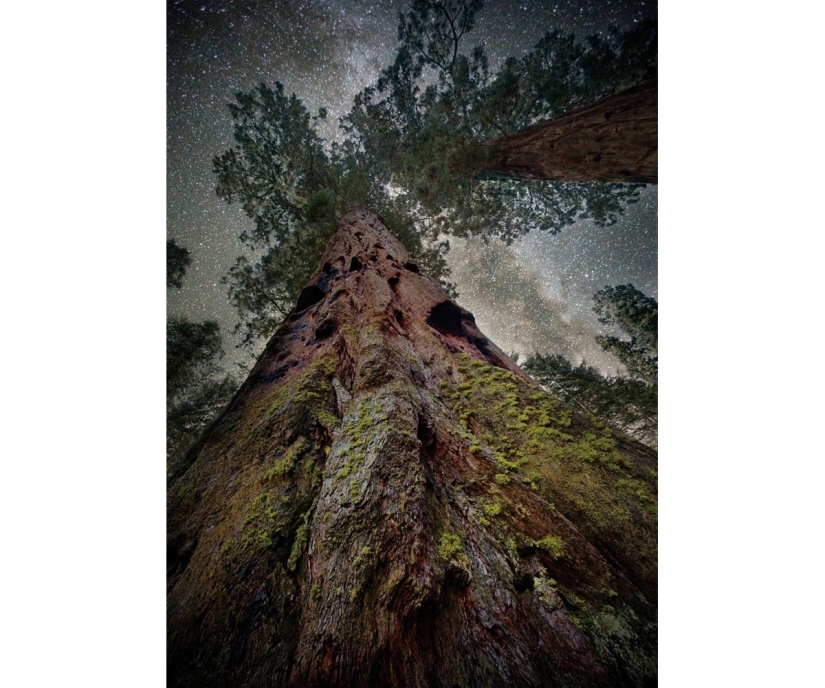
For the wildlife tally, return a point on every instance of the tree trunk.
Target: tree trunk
(390, 501)
(613, 140)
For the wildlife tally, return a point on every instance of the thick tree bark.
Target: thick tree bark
(390, 501)
(613, 140)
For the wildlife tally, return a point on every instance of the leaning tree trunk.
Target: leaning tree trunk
(613, 140)
(390, 501)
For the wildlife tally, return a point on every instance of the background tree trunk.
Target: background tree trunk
(389, 500)
(613, 140)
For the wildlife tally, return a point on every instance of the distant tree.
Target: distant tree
(196, 390)
(637, 315)
(197, 387)
(417, 149)
(192, 354)
(177, 260)
(187, 417)
(627, 402)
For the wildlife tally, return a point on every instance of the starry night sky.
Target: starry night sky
(532, 296)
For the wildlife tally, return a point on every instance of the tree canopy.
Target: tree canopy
(422, 124)
(412, 150)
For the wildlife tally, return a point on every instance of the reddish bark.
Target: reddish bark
(613, 140)
(390, 501)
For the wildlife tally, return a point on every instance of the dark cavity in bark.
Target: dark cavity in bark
(446, 318)
(309, 297)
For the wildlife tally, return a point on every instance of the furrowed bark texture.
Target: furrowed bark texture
(390, 501)
(613, 140)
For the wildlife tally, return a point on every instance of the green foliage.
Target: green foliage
(572, 461)
(277, 162)
(359, 559)
(177, 260)
(636, 488)
(317, 588)
(449, 546)
(192, 352)
(190, 413)
(329, 420)
(552, 545)
(637, 315)
(410, 152)
(624, 403)
(491, 509)
(287, 462)
(280, 174)
(502, 478)
(421, 123)
(299, 545)
(432, 30)
(263, 291)
(295, 188)
(260, 522)
(562, 73)
(194, 392)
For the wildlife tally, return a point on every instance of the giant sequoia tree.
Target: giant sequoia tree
(390, 501)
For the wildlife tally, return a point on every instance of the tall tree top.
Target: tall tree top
(413, 151)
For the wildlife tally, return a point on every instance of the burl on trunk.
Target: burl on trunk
(390, 501)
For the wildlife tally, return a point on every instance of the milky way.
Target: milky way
(532, 296)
